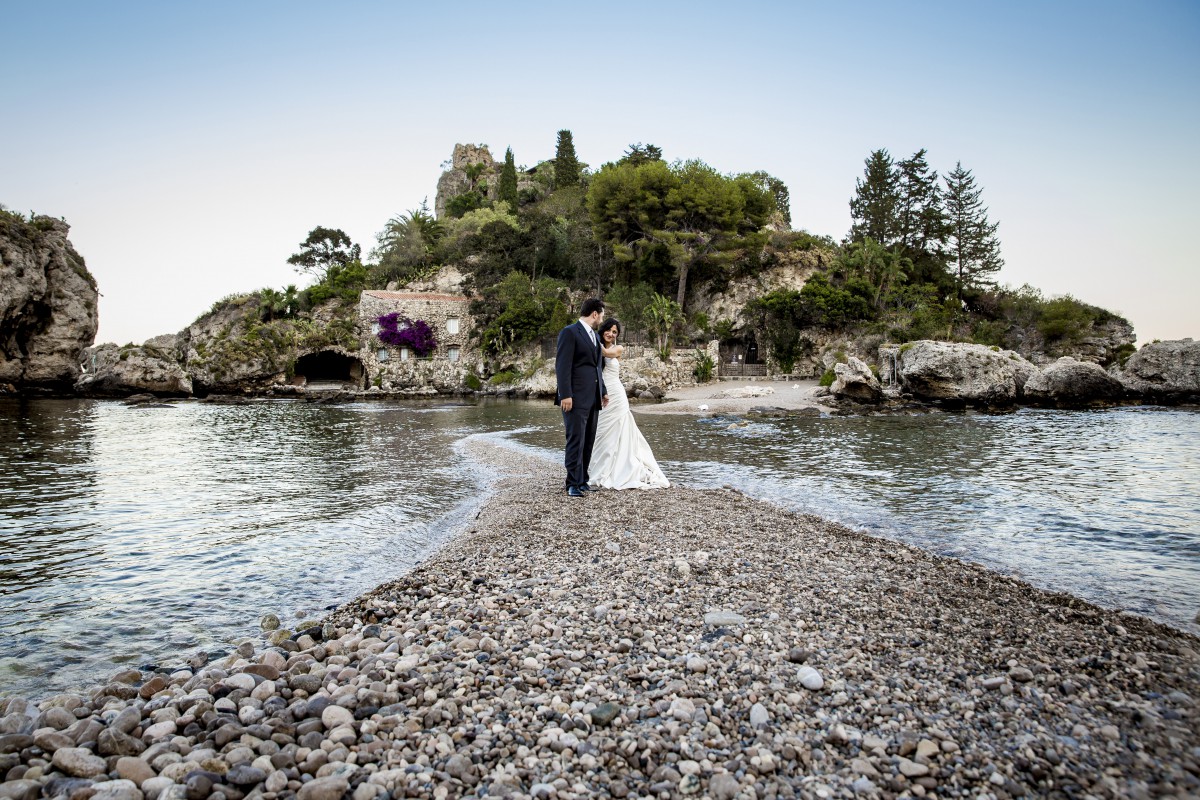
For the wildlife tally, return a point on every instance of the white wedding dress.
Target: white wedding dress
(621, 458)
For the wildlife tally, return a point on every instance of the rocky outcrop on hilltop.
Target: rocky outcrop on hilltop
(1164, 372)
(958, 374)
(1068, 383)
(48, 311)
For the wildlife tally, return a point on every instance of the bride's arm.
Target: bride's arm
(612, 352)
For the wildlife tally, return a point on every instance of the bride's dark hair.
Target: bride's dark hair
(611, 322)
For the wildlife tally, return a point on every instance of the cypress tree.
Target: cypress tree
(508, 181)
(566, 165)
(972, 245)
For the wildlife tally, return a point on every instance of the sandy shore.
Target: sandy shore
(635, 644)
(721, 397)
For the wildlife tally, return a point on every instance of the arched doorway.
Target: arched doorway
(329, 366)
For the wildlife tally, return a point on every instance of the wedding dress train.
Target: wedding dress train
(621, 457)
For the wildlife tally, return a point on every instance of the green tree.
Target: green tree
(566, 165)
(778, 317)
(630, 304)
(663, 314)
(920, 220)
(688, 211)
(508, 180)
(876, 195)
(325, 250)
(641, 153)
(882, 269)
(407, 244)
(779, 192)
(972, 246)
(517, 310)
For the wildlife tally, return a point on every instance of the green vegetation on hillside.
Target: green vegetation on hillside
(921, 259)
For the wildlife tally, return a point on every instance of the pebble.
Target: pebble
(718, 618)
(810, 679)
(472, 674)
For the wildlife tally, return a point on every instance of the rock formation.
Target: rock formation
(112, 371)
(1068, 383)
(48, 311)
(855, 381)
(1164, 372)
(456, 181)
(961, 374)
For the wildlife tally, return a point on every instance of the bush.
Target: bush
(473, 382)
(828, 377)
(507, 376)
(704, 367)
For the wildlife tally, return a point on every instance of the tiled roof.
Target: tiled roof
(416, 296)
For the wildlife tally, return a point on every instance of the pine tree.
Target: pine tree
(566, 165)
(508, 181)
(873, 207)
(920, 219)
(972, 245)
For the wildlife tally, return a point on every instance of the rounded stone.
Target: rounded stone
(336, 716)
(79, 763)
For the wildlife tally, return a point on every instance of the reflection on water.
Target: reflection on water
(133, 535)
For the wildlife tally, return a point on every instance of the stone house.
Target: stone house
(390, 367)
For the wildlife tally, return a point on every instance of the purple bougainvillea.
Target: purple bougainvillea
(399, 331)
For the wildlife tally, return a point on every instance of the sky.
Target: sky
(192, 146)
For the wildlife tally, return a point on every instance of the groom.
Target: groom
(579, 368)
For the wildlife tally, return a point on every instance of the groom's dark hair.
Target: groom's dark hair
(591, 306)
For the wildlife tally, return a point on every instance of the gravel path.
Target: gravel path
(660, 643)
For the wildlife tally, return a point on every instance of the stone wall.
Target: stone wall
(386, 366)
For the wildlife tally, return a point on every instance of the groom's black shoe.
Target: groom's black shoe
(574, 492)
(583, 487)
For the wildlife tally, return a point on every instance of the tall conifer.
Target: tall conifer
(566, 165)
(508, 181)
(972, 245)
(873, 207)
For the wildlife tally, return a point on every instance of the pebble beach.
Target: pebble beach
(664, 643)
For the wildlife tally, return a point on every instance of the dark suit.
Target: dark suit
(579, 368)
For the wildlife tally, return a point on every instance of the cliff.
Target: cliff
(48, 305)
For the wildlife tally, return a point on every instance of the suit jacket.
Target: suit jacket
(579, 367)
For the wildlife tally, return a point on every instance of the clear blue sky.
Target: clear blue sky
(192, 146)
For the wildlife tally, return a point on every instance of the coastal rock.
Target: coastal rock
(112, 371)
(962, 374)
(1164, 372)
(1068, 383)
(48, 304)
(855, 381)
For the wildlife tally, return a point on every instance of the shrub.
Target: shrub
(704, 366)
(399, 331)
(828, 377)
(473, 382)
(506, 376)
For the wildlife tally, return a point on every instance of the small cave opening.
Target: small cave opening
(328, 365)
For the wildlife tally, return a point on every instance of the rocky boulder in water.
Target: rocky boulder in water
(154, 367)
(1068, 383)
(1164, 372)
(856, 382)
(48, 312)
(963, 374)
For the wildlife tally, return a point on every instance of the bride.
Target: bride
(621, 458)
